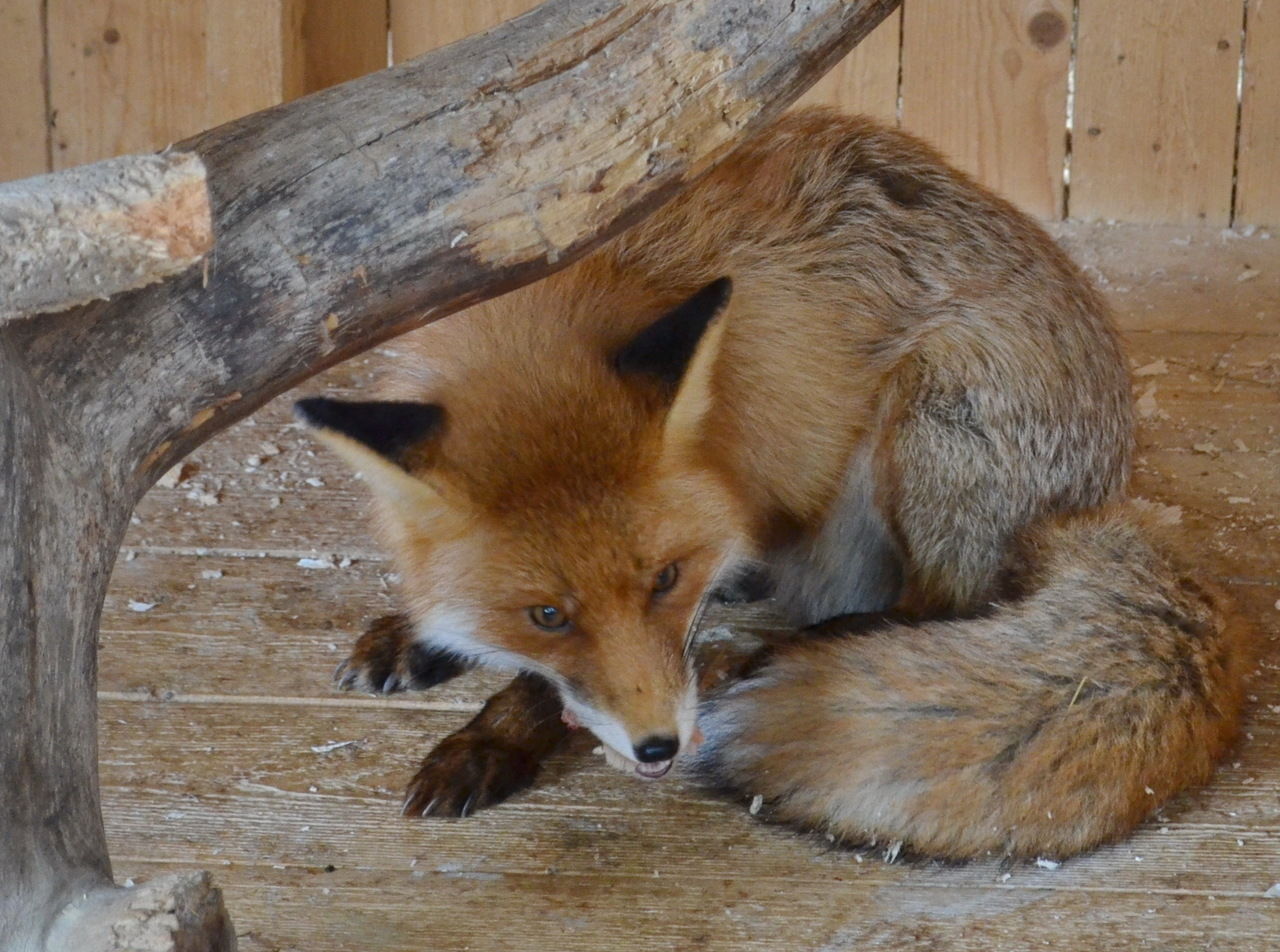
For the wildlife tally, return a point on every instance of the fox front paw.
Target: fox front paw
(388, 658)
(468, 772)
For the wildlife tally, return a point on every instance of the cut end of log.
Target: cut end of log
(181, 912)
(91, 232)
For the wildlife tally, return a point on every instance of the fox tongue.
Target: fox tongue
(653, 771)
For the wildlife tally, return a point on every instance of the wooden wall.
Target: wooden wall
(1140, 110)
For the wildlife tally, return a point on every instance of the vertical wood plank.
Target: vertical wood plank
(865, 81)
(23, 136)
(342, 40)
(1258, 171)
(987, 84)
(135, 75)
(124, 77)
(1155, 110)
(246, 55)
(421, 25)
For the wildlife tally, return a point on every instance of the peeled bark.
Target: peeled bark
(341, 220)
(91, 232)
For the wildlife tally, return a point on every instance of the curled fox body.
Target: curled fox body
(841, 362)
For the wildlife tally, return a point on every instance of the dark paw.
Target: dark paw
(468, 772)
(387, 658)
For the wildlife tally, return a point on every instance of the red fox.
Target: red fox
(840, 362)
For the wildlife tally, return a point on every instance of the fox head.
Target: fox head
(571, 532)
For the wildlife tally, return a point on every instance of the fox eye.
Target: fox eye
(666, 579)
(548, 617)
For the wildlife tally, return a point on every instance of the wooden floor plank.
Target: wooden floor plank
(269, 788)
(267, 627)
(223, 626)
(448, 908)
(1180, 278)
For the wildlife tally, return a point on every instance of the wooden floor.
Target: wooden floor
(225, 748)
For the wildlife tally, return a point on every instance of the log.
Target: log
(92, 232)
(341, 219)
(157, 916)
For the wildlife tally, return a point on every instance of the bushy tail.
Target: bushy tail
(1106, 683)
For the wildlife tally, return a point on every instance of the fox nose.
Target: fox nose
(651, 750)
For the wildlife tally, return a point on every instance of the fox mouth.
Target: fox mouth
(655, 770)
(628, 765)
(650, 771)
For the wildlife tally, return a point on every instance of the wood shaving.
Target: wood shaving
(1146, 403)
(178, 474)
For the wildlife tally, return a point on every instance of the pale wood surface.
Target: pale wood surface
(1155, 110)
(245, 69)
(987, 84)
(866, 80)
(341, 39)
(214, 698)
(132, 77)
(161, 916)
(421, 25)
(23, 142)
(1258, 183)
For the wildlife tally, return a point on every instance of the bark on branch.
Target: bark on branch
(341, 219)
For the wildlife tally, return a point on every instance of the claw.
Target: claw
(426, 811)
(391, 684)
(466, 807)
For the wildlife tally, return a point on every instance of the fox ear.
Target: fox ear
(375, 438)
(665, 349)
(679, 350)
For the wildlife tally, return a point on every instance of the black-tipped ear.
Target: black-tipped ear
(389, 428)
(664, 348)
